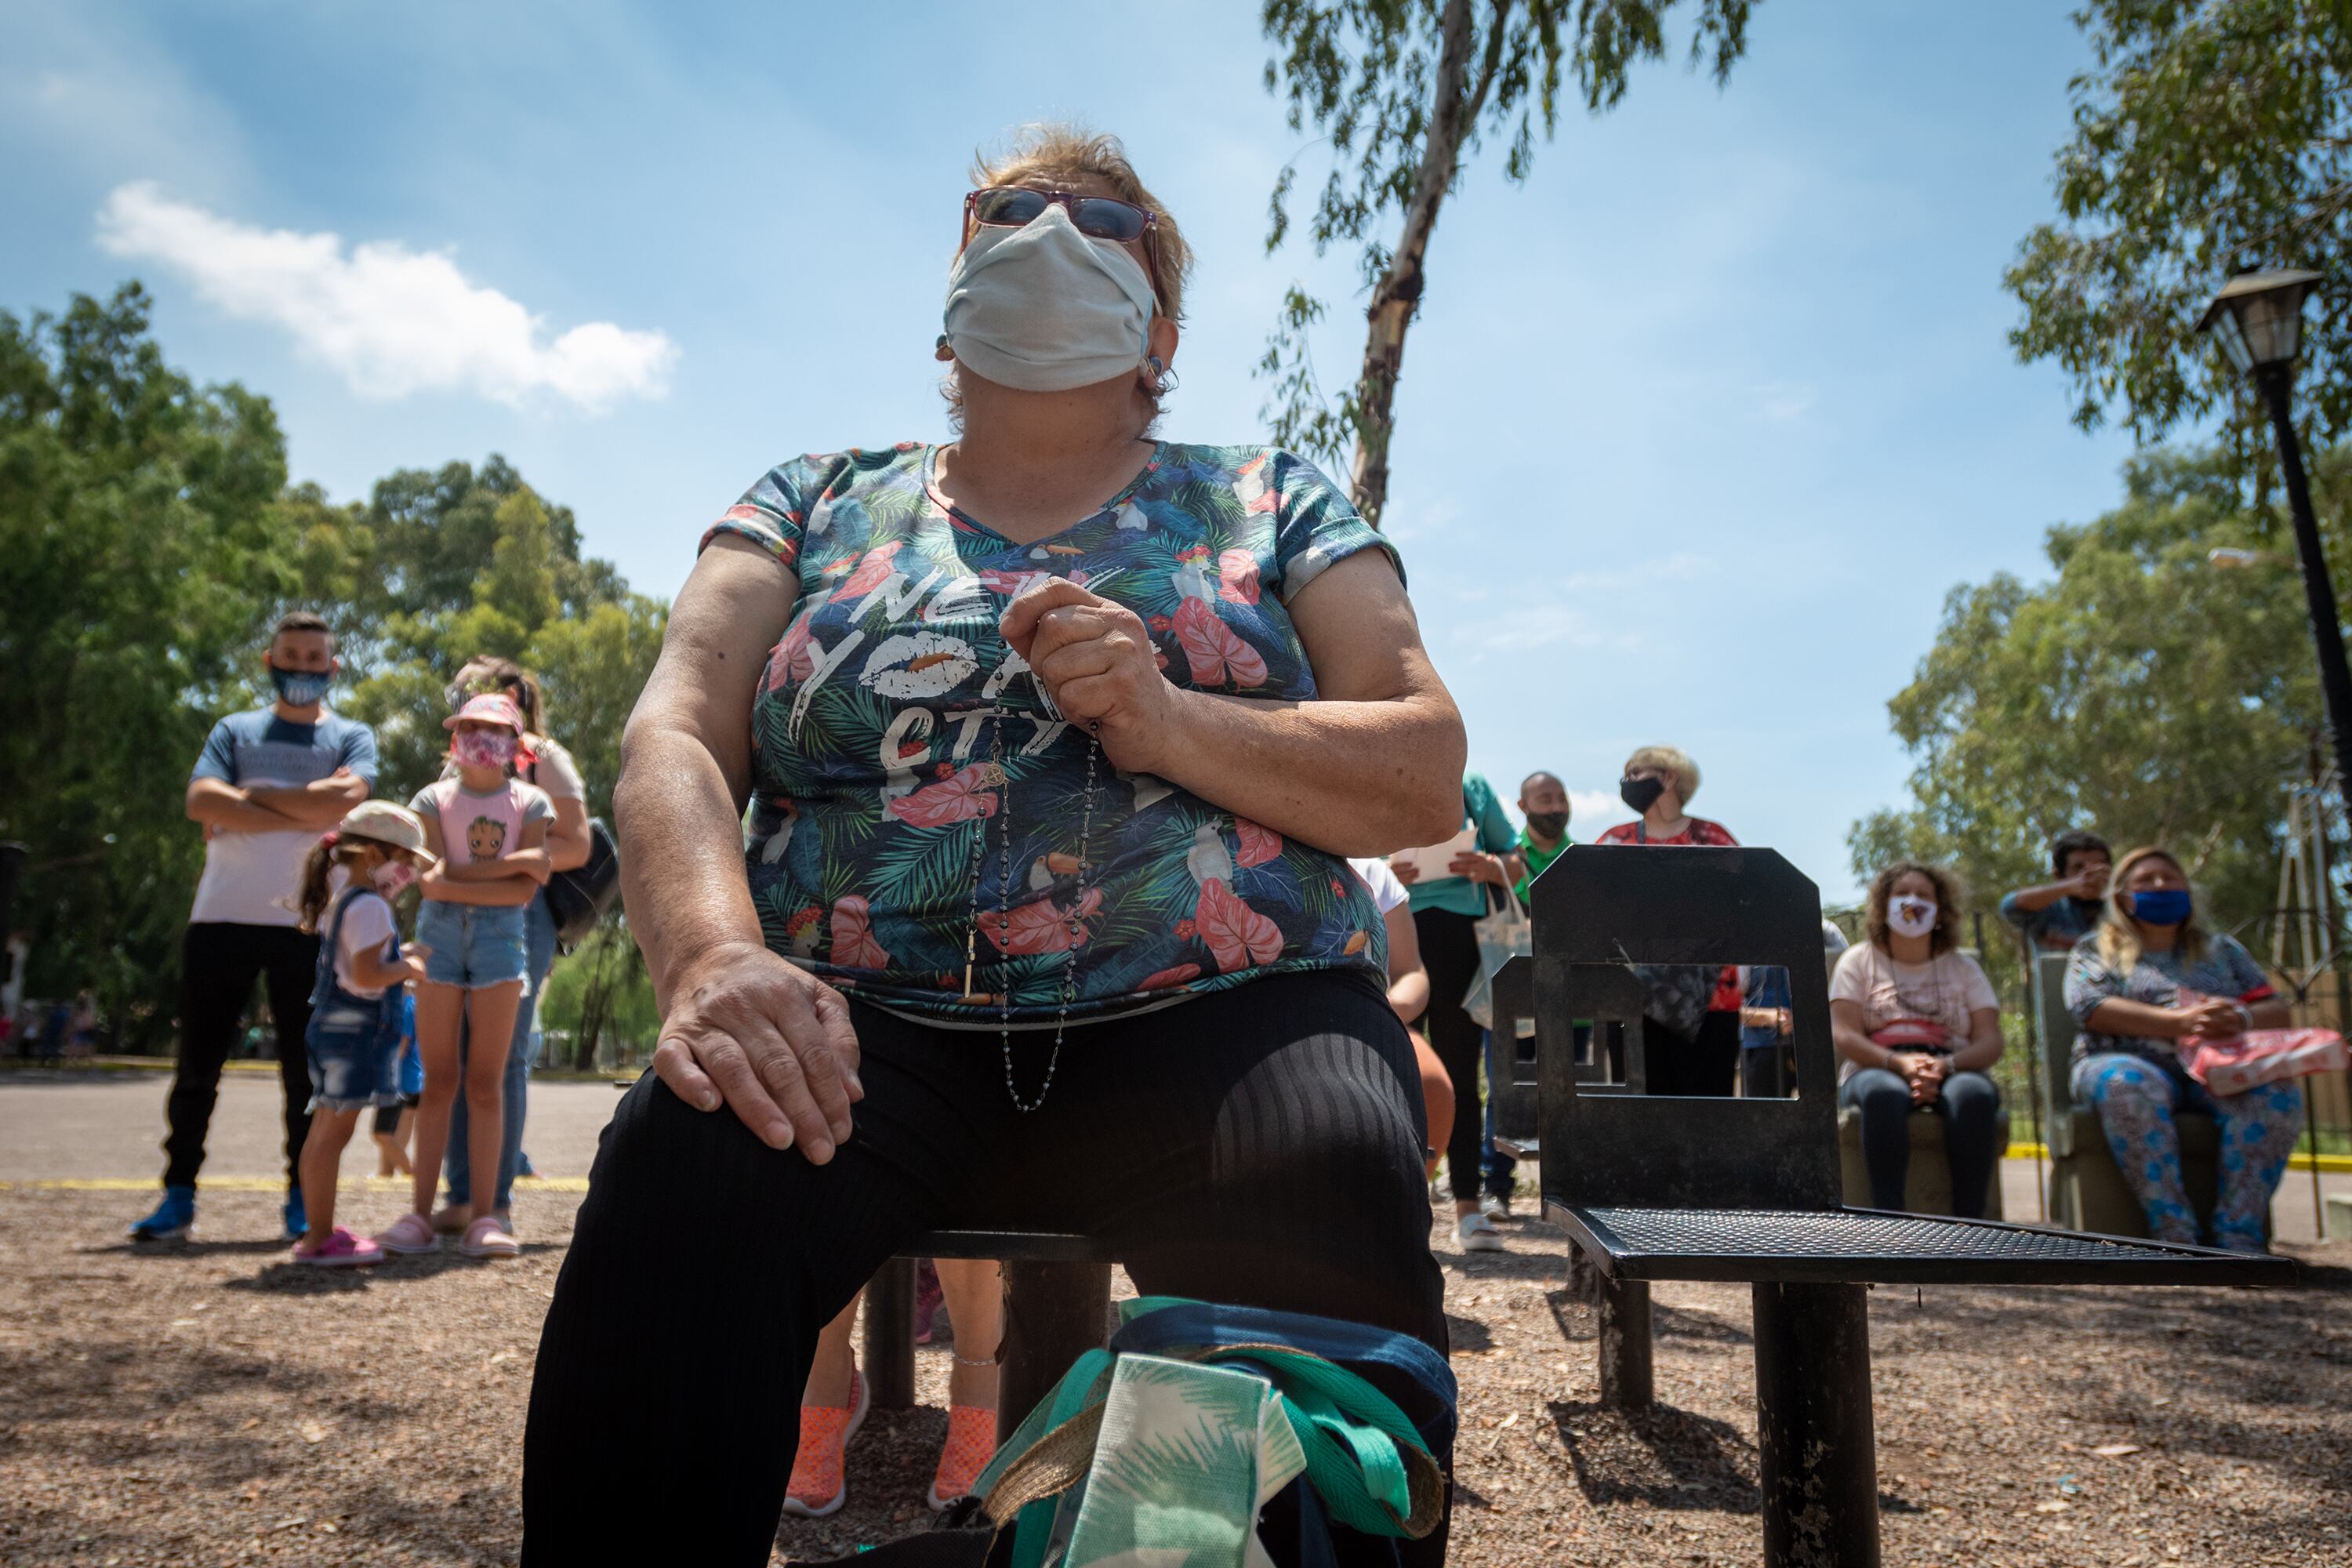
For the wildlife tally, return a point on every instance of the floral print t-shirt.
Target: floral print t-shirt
(898, 742)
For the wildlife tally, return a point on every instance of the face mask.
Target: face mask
(1640, 793)
(1044, 309)
(2161, 906)
(1912, 916)
(1547, 823)
(482, 748)
(394, 878)
(299, 687)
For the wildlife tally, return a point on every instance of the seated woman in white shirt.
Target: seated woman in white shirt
(1916, 1024)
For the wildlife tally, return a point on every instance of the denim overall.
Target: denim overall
(354, 1041)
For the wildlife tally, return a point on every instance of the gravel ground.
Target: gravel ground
(211, 1404)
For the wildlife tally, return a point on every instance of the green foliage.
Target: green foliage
(2143, 693)
(146, 538)
(1369, 77)
(598, 1007)
(2208, 136)
(151, 539)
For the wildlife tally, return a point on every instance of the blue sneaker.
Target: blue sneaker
(298, 1218)
(172, 1218)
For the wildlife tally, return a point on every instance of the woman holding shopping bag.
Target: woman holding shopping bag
(1445, 914)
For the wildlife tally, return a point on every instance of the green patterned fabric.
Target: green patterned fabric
(1188, 1451)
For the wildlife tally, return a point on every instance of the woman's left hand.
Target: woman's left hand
(1099, 667)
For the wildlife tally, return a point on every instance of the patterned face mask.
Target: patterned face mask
(299, 687)
(394, 878)
(483, 748)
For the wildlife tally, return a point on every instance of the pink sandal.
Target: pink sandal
(341, 1249)
(408, 1234)
(486, 1238)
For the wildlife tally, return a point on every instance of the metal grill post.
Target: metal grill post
(1054, 1314)
(1818, 1455)
(890, 1335)
(1622, 1310)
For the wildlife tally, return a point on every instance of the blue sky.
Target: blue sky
(1697, 429)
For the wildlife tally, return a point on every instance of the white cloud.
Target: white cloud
(1783, 401)
(1591, 810)
(391, 320)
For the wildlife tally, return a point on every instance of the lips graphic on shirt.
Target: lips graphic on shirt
(915, 665)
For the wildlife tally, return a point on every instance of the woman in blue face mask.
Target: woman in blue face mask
(2149, 977)
(1054, 738)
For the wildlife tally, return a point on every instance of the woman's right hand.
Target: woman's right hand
(772, 1040)
(1407, 871)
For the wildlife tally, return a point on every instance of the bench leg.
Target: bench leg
(1054, 1314)
(1624, 1310)
(890, 1335)
(1819, 1456)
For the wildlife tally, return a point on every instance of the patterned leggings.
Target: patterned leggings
(2135, 1099)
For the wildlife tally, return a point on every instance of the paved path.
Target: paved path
(109, 1128)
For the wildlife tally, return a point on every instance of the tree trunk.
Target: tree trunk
(1453, 109)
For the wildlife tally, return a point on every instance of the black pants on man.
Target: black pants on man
(219, 961)
(1259, 1146)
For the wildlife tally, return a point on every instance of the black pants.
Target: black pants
(218, 965)
(1705, 1064)
(1970, 1104)
(1449, 950)
(1258, 1146)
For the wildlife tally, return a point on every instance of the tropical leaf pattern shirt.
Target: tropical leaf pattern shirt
(898, 741)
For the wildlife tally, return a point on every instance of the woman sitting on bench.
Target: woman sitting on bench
(1055, 741)
(1916, 1023)
(2148, 977)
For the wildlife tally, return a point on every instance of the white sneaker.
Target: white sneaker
(1476, 1233)
(1493, 1207)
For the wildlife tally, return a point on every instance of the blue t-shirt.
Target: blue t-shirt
(1496, 836)
(250, 878)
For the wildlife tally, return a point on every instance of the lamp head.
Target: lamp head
(2258, 317)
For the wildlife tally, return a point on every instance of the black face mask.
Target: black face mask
(1640, 793)
(1547, 823)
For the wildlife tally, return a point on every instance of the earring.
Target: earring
(943, 342)
(1158, 367)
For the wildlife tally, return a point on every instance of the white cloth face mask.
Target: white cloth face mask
(1043, 309)
(1912, 916)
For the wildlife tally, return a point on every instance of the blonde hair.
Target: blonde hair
(2119, 944)
(1951, 899)
(1669, 759)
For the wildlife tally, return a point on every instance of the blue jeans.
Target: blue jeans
(539, 949)
(2135, 1097)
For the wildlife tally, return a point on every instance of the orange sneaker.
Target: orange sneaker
(818, 1486)
(971, 1443)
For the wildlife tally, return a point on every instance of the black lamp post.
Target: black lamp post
(2258, 317)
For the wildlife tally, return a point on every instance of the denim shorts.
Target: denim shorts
(472, 946)
(354, 1060)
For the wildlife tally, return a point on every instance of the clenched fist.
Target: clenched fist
(1099, 667)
